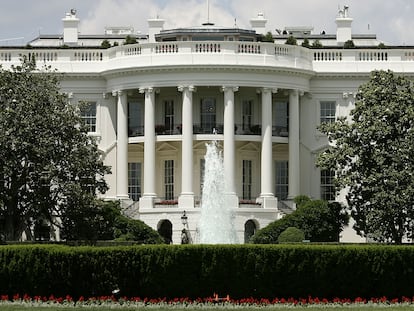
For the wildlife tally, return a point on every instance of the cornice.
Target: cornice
(207, 68)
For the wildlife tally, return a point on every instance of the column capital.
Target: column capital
(191, 88)
(116, 93)
(225, 88)
(104, 95)
(266, 90)
(149, 90)
(294, 92)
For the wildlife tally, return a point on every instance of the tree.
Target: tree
(349, 44)
(373, 157)
(48, 163)
(306, 43)
(105, 44)
(130, 40)
(291, 235)
(317, 44)
(268, 37)
(320, 221)
(291, 40)
(103, 220)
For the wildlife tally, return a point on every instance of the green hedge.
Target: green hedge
(324, 271)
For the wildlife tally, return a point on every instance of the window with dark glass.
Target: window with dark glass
(280, 118)
(134, 181)
(247, 179)
(282, 179)
(208, 115)
(169, 179)
(88, 115)
(328, 111)
(169, 116)
(247, 115)
(327, 185)
(135, 119)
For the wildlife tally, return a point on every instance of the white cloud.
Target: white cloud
(390, 20)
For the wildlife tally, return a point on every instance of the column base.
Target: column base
(267, 201)
(146, 202)
(186, 201)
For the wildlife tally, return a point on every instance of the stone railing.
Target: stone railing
(259, 54)
(362, 55)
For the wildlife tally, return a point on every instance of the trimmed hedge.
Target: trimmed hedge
(328, 271)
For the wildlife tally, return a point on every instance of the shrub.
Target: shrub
(306, 43)
(320, 220)
(349, 44)
(291, 40)
(258, 271)
(290, 235)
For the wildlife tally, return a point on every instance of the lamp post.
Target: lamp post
(184, 220)
(185, 238)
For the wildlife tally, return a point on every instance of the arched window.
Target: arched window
(165, 230)
(250, 229)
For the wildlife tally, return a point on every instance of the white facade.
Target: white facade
(156, 103)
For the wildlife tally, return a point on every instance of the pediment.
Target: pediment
(166, 147)
(250, 147)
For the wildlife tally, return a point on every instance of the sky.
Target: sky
(23, 20)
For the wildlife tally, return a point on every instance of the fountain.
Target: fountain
(217, 216)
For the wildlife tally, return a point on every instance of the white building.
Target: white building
(154, 104)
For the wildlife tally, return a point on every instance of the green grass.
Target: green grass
(278, 308)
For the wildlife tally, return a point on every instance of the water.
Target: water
(217, 217)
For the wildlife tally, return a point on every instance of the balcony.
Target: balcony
(258, 54)
(239, 129)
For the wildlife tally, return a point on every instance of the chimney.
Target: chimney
(343, 26)
(70, 28)
(154, 27)
(259, 24)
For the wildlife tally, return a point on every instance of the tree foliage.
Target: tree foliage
(373, 157)
(103, 220)
(321, 221)
(48, 163)
(291, 235)
(305, 43)
(130, 40)
(291, 40)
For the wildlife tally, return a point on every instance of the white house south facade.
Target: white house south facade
(156, 103)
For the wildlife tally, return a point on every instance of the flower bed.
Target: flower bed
(209, 302)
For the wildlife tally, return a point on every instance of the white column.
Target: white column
(147, 199)
(122, 145)
(186, 198)
(294, 158)
(267, 196)
(229, 153)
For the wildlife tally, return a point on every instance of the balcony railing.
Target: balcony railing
(239, 129)
(95, 60)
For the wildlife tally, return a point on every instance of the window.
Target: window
(208, 115)
(135, 119)
(169, 179)
(327, 185)
(280, 118)
(328, 111)
(88, 115)
(282, 179)
(247, 115)
(169, 116)
(134, 181)
(247, 179)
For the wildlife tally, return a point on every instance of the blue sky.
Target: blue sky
(391, 20)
